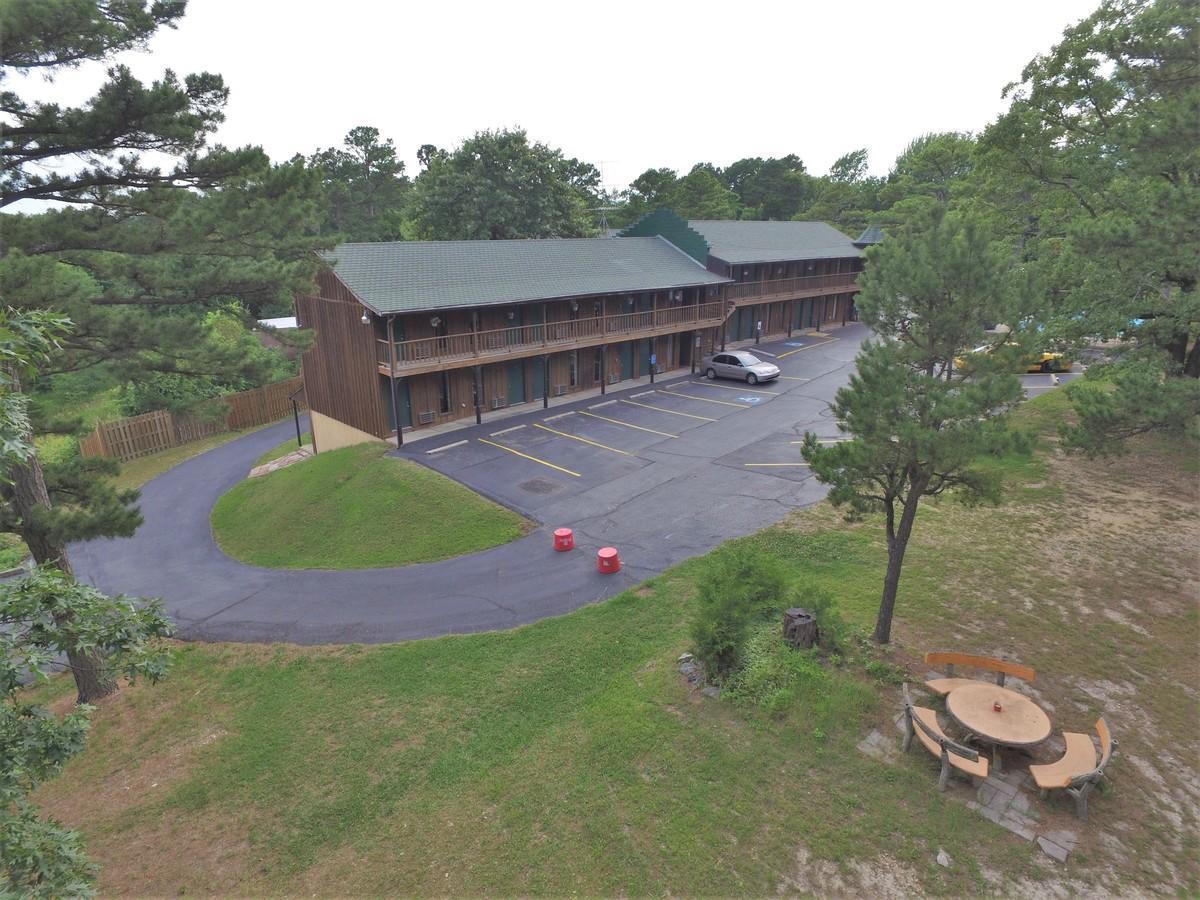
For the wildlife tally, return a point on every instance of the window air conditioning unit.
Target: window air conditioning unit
(613, 379)
(426, 418)
(499, 403)
(559, 390)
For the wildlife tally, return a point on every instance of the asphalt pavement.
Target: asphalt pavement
(663, 472)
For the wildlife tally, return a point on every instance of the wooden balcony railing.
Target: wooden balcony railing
(426, 353)
(790, 287)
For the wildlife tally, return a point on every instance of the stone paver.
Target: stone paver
(282, 462)
(1009, 799)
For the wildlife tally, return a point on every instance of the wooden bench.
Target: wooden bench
(948, 661)
(923, 723)
(1077, 772)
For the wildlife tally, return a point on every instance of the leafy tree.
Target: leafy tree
(497, 186)
(646, 193)
(43, 616)
(1102, 138)
(701, 195)
(769, 188)
(919, 425)
(364, 186)
(846, 198)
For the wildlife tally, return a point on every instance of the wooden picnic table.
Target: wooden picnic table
(1019, 723)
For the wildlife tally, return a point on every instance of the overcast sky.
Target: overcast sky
(624, 85)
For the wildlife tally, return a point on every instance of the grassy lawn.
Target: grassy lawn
(570, 757)
(283, 449)
(12, 552)
(337, 510)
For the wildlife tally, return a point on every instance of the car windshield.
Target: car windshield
(748, 359)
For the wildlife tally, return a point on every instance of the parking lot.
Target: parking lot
(535, 462)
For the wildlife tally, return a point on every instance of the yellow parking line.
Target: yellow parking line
(669, 412)
(809, 347)
(581, 440)
(627, 424)
(730, 387)
(549, 465)
(706, 399)
(771, 465)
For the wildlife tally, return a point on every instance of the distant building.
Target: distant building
(424, 332)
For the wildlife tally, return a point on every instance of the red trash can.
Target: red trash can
(607, 560)
(564, 539)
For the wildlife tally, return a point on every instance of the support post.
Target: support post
(477, 390)
(391, 333)
(790, 311)
(603, 368)
(653, 359)
(546, 382)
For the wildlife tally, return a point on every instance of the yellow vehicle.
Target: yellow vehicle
(1046, 361)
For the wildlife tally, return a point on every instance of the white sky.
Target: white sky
(624, 85)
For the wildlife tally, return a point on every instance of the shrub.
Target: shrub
(741, 585)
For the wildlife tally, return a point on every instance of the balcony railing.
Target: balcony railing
(520, 339)
(791, 287)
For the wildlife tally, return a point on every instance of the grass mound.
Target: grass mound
(357, 508)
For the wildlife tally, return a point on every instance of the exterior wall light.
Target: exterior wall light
(366, 318)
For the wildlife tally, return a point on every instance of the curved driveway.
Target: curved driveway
(683, 499)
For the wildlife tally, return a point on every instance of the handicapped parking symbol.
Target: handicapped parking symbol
(793, 343)
(750, 399)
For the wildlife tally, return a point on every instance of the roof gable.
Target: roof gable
(743, 242)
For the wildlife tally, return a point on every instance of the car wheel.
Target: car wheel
(751, 378)
(710, 374)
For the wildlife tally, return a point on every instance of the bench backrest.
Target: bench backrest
(945, 743)
(1017, 670)
(1107, 745)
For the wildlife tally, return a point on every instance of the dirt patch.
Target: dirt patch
(883, 877)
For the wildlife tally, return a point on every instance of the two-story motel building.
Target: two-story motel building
(428, 332)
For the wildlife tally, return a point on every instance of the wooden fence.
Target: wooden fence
(137, 436)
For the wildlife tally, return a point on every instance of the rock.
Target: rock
(943, 858)
(686, 657)
(711, 690)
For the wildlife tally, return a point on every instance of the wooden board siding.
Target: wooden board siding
(340, 371)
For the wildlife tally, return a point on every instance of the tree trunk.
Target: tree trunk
(28, 493)
(897, 544)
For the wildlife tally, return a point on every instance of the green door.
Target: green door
(402, 401)
(745, 329)
(539, 376)
(516, 382)
(626, 360)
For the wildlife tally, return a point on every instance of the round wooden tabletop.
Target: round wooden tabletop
(1019, 723)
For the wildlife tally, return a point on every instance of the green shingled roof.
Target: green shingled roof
(405, 276)
(745, 242)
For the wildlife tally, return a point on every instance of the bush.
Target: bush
(740, 587)
(169, 391)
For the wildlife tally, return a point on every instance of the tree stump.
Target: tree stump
(800, 628)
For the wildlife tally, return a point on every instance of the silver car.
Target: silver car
(740, 365)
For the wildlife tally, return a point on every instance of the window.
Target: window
(573, 357)
(444, 392)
